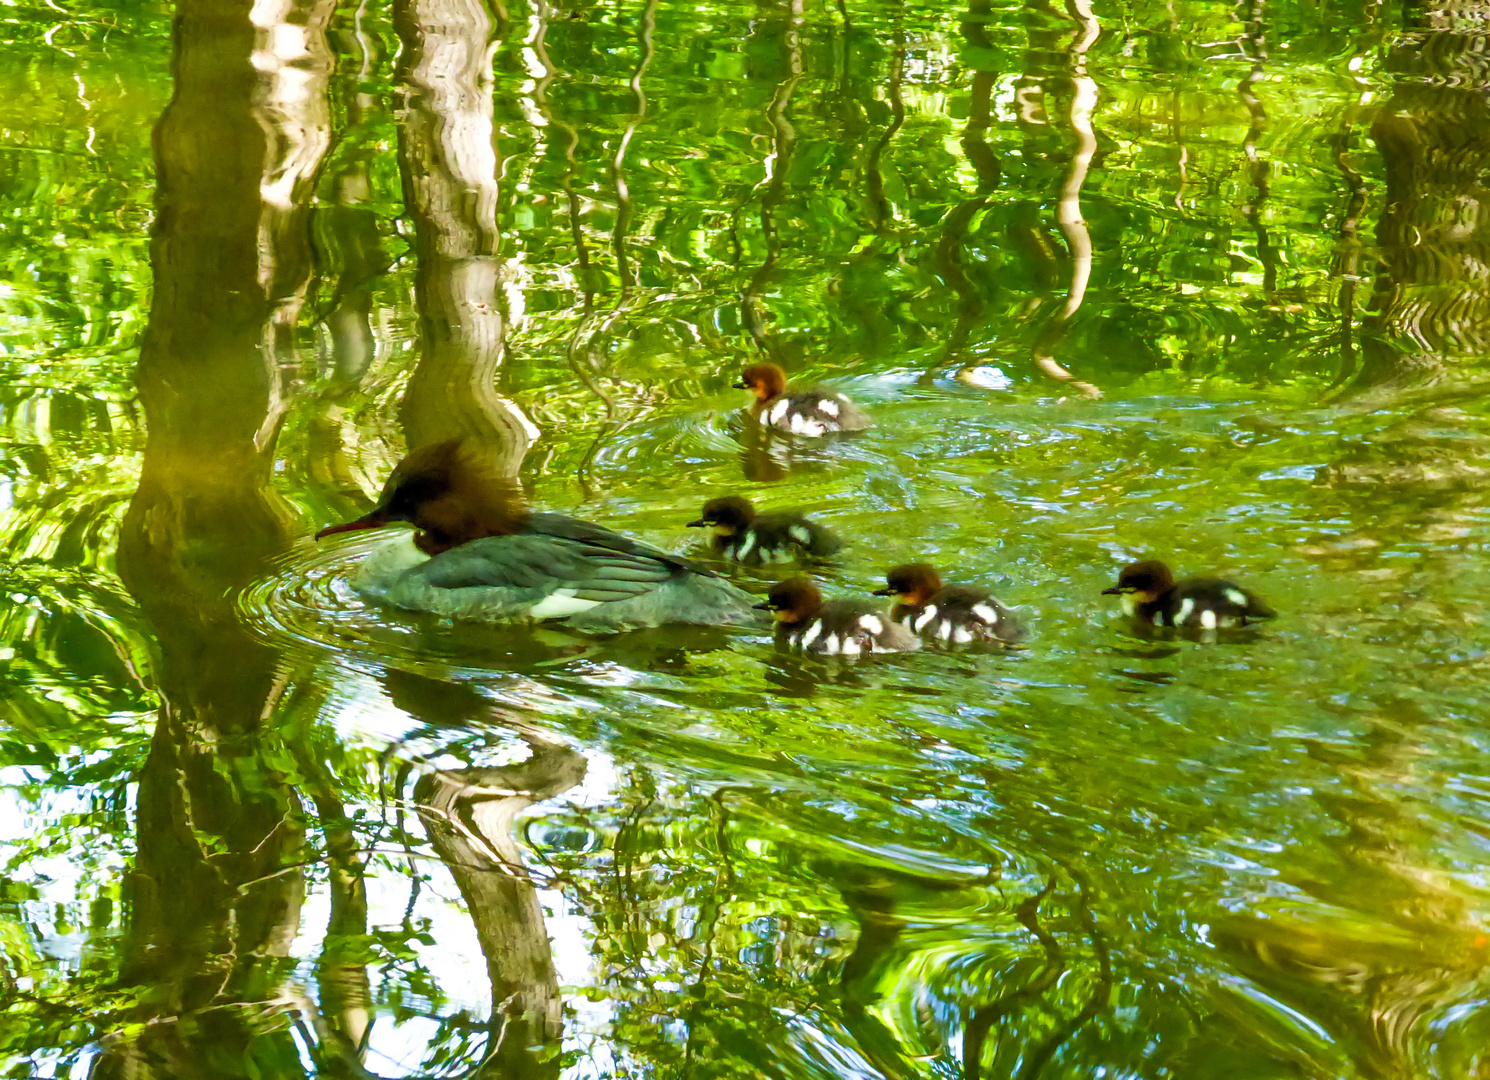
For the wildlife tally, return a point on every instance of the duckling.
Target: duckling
(477, 552)
(1151, 594)
(835, 628)
(801, 412)
(741, 535)
(951, 614)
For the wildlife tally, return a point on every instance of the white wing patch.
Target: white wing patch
(1187, 605)
(559, 603)
(1208, 619)
(1237, 597)
(987, 612)
(801, 534)
(851, 646)
(802, 424)
(944, 631)
(776, 412)
(828, 407)
(831, 645)
(962, 635)
(811, 634)
(927, 614)
(872, 623)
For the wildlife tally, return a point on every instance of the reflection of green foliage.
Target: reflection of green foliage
(844, 869)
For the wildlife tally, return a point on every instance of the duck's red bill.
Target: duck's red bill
(368, 522)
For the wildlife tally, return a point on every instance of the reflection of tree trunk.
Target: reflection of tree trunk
(1068, 212)
(449, 164)
(236, 150)
(469, 815)
(1432, 302)
(783, 141)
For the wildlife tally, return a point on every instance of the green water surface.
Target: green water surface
(1185, 279)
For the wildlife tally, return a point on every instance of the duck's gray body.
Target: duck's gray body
(554, 568)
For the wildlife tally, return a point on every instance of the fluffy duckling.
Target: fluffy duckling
(834, 628)
(1151, 594)
(801, 412)
(744, 536)
(951, 614)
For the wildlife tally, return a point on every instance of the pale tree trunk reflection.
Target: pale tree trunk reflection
(1068, 210)
(211, 911)
(450, 168)
(469, 814)
(448, 160)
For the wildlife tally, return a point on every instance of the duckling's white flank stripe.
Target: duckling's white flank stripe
(962, 635)
(746, 546)
(1187, 605)
(1207, 618)
(1237, 597)
(924, 618)
(872, 624)
(812, 633)
(987, 612)
(828, 406)
(801, 534)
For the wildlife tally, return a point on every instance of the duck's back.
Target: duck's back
(1207, 603)
(958, 615)
(849, 628)
(813, 413)
(563, 568)
(781, 535)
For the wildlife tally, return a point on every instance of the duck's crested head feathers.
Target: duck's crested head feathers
(730, 514)
(793, 601)
(1148, 580)
(765, 381)
(449, 493)
(912, 583)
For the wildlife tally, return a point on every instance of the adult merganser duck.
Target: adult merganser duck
(1151, 594)
(802, 412)
(743, 536)
(478, 553)
(835, 628)
(951, 614)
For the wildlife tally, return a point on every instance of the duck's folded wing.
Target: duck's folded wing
(530, 566)
(589, 534)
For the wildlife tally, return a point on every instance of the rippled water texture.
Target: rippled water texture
(1196, 281)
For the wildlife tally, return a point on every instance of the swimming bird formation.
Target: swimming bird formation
(477, 552)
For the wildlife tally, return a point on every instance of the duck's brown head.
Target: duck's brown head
(730, 515)
(912, 584)
(765, 381)
(1146, 581)
(449, 493)
(793, 601)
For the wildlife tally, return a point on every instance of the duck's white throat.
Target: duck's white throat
(387, 561)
